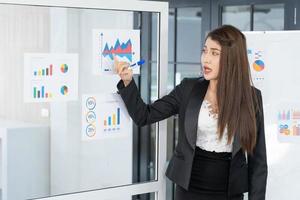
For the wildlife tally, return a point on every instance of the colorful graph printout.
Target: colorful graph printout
(289, 122)
(107, 43)
(104, 116)
(50, 77)
(257, 63)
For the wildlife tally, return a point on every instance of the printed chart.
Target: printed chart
(107, 43)
(258, 66)
(104, 116)
(289, 122)
(50, 77)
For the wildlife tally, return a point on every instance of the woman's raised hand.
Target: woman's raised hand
(122, 68)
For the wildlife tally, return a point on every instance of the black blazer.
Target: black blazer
(247, 172)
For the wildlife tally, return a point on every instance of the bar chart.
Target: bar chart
(289, 122)
(40, 92)
(50, 77)
(40, 71)
(112, 122)
(104, 116)
(284, 115)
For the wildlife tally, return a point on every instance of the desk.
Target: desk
(24, 160)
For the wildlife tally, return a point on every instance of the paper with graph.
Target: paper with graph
(50, 77)
(104, 116)
(124, 44)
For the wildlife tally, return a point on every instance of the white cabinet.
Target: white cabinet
(24, 160)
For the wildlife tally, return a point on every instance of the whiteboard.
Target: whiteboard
(275, 69)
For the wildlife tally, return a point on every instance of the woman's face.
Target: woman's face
(210, 59)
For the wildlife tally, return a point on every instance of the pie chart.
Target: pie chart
(64, 90)
(64, 68)
(258, 65)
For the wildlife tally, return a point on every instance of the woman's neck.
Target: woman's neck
(212, 87)
(211, 97)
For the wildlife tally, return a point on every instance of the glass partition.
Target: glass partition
(238, 16)
(268, 17)
(65, 128)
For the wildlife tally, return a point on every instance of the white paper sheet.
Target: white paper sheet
(104, 116)
(124, 44)
(50, 77)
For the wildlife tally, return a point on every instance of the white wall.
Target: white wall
(22, 29)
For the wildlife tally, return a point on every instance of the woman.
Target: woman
(221, 149)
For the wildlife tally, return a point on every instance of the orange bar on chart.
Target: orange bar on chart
(114, 119)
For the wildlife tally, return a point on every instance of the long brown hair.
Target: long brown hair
(236, 97)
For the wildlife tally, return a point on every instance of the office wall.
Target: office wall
(22, 29)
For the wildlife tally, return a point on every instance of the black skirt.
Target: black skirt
(210, 172)
(209, 178)
(182, 194)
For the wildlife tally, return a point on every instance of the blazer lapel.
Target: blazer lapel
(192, 110)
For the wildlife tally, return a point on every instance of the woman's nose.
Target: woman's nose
(206, 58)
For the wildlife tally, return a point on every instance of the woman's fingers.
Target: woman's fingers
(122, 68)
(126, 74)
(126, 71)
(118, 65)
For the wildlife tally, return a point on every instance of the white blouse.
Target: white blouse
(207, 137)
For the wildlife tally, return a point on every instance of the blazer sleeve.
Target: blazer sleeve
(257, 162)
(143, 114)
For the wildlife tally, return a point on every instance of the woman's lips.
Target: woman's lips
(207, 70)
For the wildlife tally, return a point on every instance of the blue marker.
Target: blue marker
(137, 63)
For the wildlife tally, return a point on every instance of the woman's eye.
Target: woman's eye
(215, 53)
(204, 50)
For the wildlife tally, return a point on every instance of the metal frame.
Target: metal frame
(289, 11)
(158, 186)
